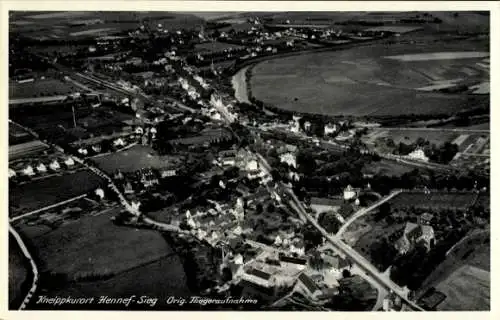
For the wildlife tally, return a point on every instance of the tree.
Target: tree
(259, 208)
(271, 208)
(346, 273)
(329, 222)
(384, 210)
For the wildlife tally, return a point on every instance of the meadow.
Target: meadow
(44, 192)
(363, 81)
(94, 245)
(133, 159)
(434, 200)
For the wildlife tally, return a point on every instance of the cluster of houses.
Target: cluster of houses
(221, 222)
(245, 161)
(272, 271)
(40, 168)
(145, 135)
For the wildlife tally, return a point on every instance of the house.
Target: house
(412, 234)
(83, 151)
(168, 173)
(320, 205)
(128, 188)
(337, 264)
(259, 277)
(54, 165)
(119, 142)
(228, 161)
(41, 167)
(289, 159)
(69, 162)
(425, 218)
(350, 193)
(330, 129)
(100, 193)
(252, 165)
(307, 287)
(299, 263)
(418, 154)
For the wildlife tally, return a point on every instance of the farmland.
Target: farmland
(160, 279)
(40, 193)
(464, 277)
(18, 273)
(467, 289)
(133, 159)
(385, 167)
(361, 82)
(95, 245)
(92, 256)
(440, 200)
(38, 88)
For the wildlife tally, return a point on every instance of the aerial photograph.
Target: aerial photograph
(249, 161)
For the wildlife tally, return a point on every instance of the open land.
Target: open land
(467, 289)
(384, 167)
(350, 82)
(18, 273)
(37, 88)
(94, 245)
(40, 193)
(133, 159)
(443, 200)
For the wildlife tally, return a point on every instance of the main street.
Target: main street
(355, 257)
(338, 245)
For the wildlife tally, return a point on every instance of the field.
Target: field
(95, 245)
(442, 200)
(39, 88)
(133, 159)
(63, 25)
(40, 193)
(362, 81)
(159, 279)
(18, 274)
(384, 167)
(467, 289)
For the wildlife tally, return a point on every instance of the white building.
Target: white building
(289, 159)
(330, 128)
(69, 161)
(41, 167)
(119, 142)
(54, 165)
(191, 222)
(278, 241)
(349, 193)
(12, 173)
(418, 154)
(83, 151)
(307, 126)
(29, 171)
(100, 193)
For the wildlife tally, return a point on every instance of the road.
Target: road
(364, 211)
(34, 268)
(358, 259)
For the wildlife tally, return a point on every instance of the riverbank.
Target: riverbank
(239, 81)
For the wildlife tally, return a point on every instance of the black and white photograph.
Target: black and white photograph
(248, 160)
